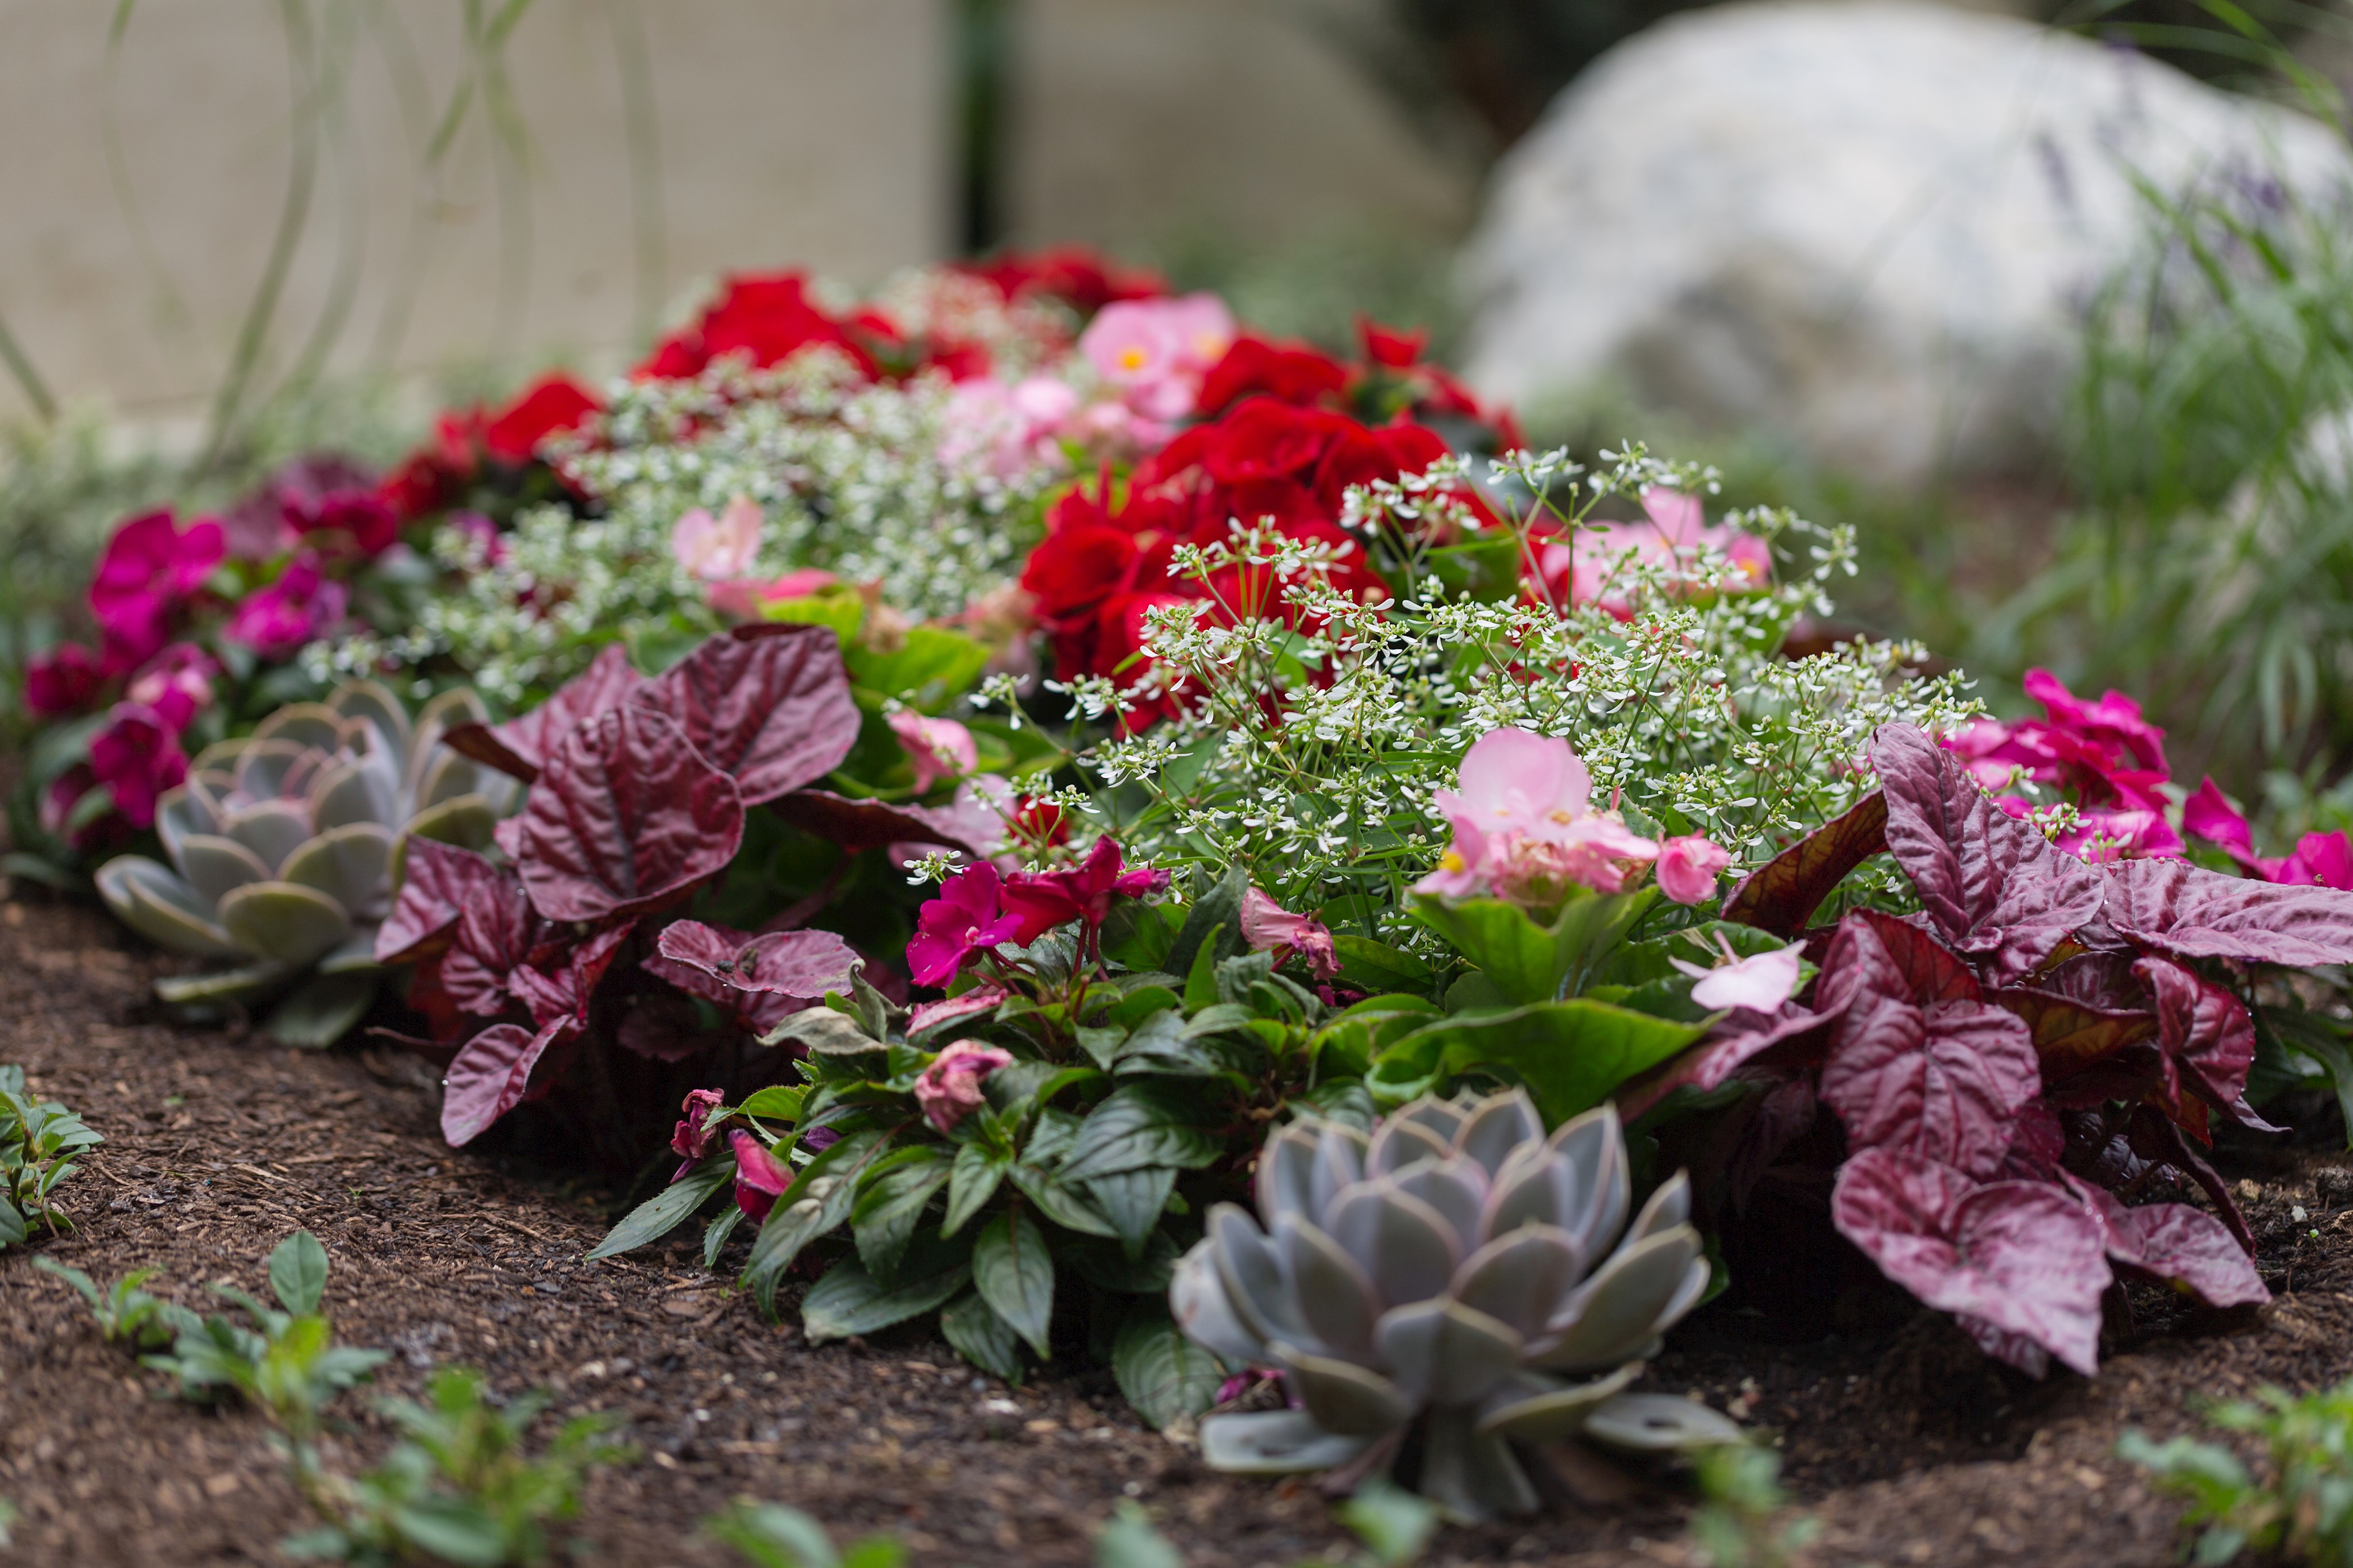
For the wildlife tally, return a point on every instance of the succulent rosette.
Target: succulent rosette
(285, 845)
(1457, 1270)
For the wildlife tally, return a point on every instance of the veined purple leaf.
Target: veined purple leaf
(1873, 954)
(858, 825)
(2191, 912)
(1992, 885)
(626, 817)
(2023, 1258)
(2070, 1035)
(1783, 893)
(803, 964)
(2206, 1031)
(523, 745)
(2099, 979)
(2012, 1350)
(1793, 1037)
(490, 1075)
(440, 881)
(2186, 1248)
(494, 938)
(1942, 1082)
(768, 705)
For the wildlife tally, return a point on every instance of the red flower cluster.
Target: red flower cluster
(769, 317)
(438, 476)
(1079, 278)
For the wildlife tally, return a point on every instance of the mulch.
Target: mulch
(1904, 1444)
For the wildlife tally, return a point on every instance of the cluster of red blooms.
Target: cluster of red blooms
(1285, 431)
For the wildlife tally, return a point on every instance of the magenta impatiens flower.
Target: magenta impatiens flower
(760, 1177)
(150, 567)
(177, 683)
(937, 749)
(1044, 900)
(1524, 826)
(139, 755)
(2320, 859)
(964, 919)
(1268, 927)
(63, 682)
(303, 604)
(949, 1090)
(1687, 867)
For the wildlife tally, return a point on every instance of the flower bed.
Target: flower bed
(1025, 766)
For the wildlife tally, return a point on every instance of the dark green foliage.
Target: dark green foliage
(39, 1138)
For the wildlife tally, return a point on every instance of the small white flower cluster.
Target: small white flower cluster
(1306, 748)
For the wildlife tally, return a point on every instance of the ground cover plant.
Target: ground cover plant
(2301, 1513)
(38, 1140)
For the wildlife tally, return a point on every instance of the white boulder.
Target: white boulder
(1868, 227)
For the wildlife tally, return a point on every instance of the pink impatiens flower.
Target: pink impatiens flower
(1044, 900)
(139, 755)
(964, 919)
(760, 1177)
(1580, 568)
(949, 1090)
(1525, 828)
(2320, 859)
(177, 683)
(303, 604)
(1268, 927)
(1687, 867)
(719, 549)
(937, 749)
(150, 567)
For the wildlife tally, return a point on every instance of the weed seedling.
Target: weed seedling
(39, 1140)
(769, 1535)
(125, 1313)
(2302, 1513)
(1740, 1492)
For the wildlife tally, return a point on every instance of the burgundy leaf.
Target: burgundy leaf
(858, 825)
(2024, 1257)
(490, 1075)
(2186, 1248)
(2190, 912)
(2013, 1349)
(2070, 1035)
(523, 745)
(2157, 1138)
(1873, 955)
(2206, 1031)
(1783, 1114)
(626, 817)
(493, 939)
(2100, 979)
(1942, 1081)
(1793, 1037)
(2037, 1142)
(664, 1028)
(1783, 893)
(803, 964)
(768, 705)
(1991, 884)
(439, 882)
(981, 999)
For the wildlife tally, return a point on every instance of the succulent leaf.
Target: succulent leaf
(1274, 1442)
(1655, 1423)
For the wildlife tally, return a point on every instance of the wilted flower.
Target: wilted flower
(937, 749)
(138, 754)
(302, 604)
(1687, 867)
(949, 1090)
(1268, 927)
(722, 548)
(964, 919)
(692, 1139)
(149, 567)
(760, 1177)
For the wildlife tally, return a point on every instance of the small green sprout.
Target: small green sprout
(2302, 1513)
(769, 1535)
(39, 1138)
(1740, 1488)
(125, 1313)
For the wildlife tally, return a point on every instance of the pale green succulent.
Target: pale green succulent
(286, 846)
(1454, 1270)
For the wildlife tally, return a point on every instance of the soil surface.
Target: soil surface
(1904, 1444)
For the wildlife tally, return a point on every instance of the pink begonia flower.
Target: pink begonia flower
(1528, 801)
(63, 682)
(1268, 927)
(937, 749)
(690, 1140)
(1687, 867)
(177, 683)
(1762, 982)
(150, 567)
(949, 1090)
(1008, 431)
(1463, 865)
(1156, 351)
(719, 549)
(139, 754)
(303, 604)
(760, 1177)
(964, 919)
(1044, 900)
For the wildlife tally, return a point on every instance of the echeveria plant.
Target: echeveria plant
(1456, 1273)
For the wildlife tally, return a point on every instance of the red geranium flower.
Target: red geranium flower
(1290, 372)
(551, 405)
(769, 317)
(1082, 278)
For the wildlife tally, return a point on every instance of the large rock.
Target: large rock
(1869, 228)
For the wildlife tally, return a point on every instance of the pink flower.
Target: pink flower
(760, 1177)
(150, 567)
(2106, 833)
(1156, 351)
(938, 749)
(139, 755)
(1512, 781)
(962, 920)
(1687, 867)
(1525, 828)
(303, 604)
(1268, 927)
(2113, 721)
(743, 600)
(2207, 816)
(1044, 900)
(64, 681)
(2322, 860)
(1580, 569)
(949, 1090)
(690, 1140)
(1463, 865)
(719, 549)
(177, 683)
(1762, 982)
(358, 517)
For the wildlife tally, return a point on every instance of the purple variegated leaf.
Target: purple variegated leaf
(523, 745)
(858, 825)
(2010, 1350)
(2180, 1245)
(1793, 1037)
(2070, 1035)
(768, 705)
(1874, 955)
(2191, 912)
(803, 964)
(439, 882)
(2206, 1031)
(626, 817)
(1942, 1082)
(491, 1075)
(2023, 1258)
(1783, 893)
(1992, 885)
(493, 939)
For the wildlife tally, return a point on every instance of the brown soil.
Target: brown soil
(1906, 1445)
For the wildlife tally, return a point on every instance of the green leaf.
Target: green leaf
(934, 666)
(1132, 1202)
(816, 1202)
(1201, 976)
(1163, 1373)
(1138, 936)
(667, 1209)
(297, 1272)
(1113, 1269)
(848, 1301)
(778, 1102)
(322, 1009)
(973, 1179)
(715, 1235)
(1379, 967)
(1214, 922)
(1014, 1272)
(1530, 962)
(1131, 1542)
(983, 1338)
(1486, 567)
(1059, 1202)
(890, 1202)
(1571, 1055)
(1141, 1124)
